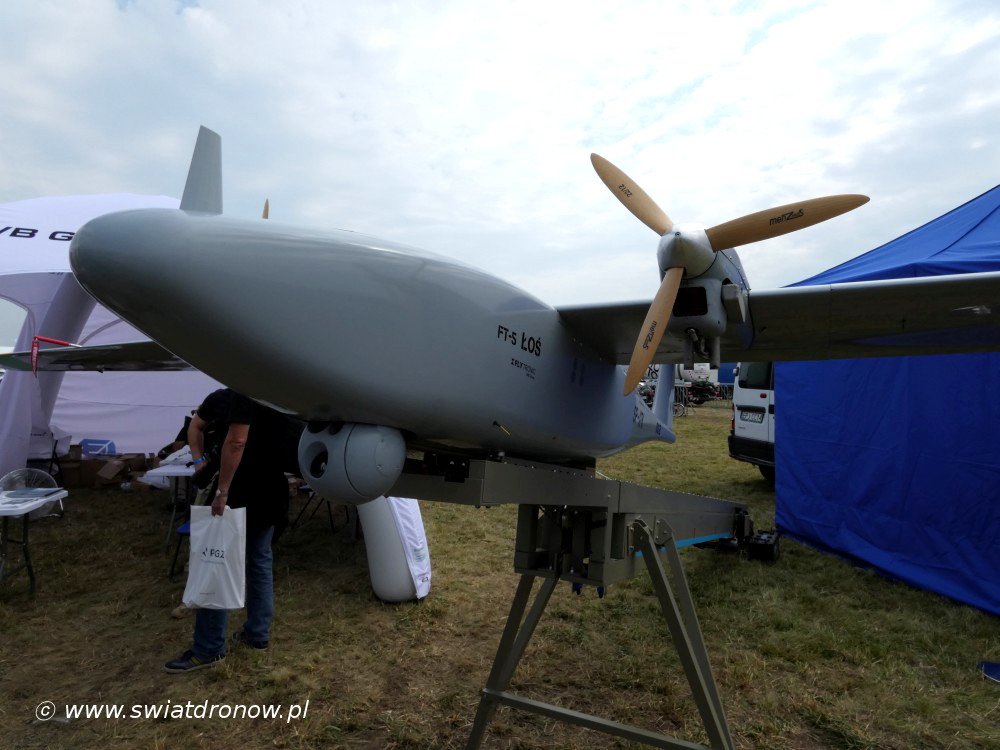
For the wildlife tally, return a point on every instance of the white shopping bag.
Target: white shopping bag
(216, 565)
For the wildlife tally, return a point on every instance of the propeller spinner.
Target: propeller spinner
(693, 251)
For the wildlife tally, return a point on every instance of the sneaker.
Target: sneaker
(180, 611)
(240, 639)
(188, 662)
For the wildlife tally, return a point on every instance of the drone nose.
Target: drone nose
(125, 261)
(93, 250)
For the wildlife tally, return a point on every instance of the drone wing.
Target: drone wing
(131, 356)
(609, 330)
(929, 315)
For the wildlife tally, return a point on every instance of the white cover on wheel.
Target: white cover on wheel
(398, 561)
(410, 525)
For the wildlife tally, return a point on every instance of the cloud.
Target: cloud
(467, 129)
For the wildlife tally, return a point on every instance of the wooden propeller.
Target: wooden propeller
(751, 228)
(644, 208)
(774, 222)
(653, 328)
(632, 196)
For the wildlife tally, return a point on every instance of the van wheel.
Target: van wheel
(768, 473)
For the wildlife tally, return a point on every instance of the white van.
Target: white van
(751, 435)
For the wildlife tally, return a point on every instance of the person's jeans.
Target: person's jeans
(210, 624)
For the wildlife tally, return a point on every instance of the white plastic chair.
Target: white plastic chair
(26, 479)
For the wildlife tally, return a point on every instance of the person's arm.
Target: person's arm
(232, 453)
(196, 438)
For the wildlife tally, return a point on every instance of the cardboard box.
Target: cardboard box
(112, 470)
(135, 484)
(135, 461)
(69, 473)
(112, 473)
(88, 471)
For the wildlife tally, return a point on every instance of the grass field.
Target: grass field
(809, 653)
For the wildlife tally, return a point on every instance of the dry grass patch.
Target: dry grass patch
(809, 653)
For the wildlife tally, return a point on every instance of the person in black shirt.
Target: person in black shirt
(206, 430)
(251, 476)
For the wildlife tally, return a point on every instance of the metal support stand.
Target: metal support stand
(686, 633)
(513, 642)
(180, 504)
(678, 610)
(5, 540)
(320, 501)
(574, 527)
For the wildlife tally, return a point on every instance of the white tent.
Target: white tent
(140, 412)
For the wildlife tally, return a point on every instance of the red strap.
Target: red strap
(34, 350)
(47, 340)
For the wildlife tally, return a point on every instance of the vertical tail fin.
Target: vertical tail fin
(203, 189)
(663, 400)
(656, 423)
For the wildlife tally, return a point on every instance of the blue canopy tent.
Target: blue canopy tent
(895, 463)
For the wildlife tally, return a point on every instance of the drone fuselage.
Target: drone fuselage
(341, 327)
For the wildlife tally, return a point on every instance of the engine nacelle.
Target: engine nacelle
(351, 463)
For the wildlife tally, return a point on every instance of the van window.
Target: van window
(755, 375)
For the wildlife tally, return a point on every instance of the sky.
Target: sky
(466, 128)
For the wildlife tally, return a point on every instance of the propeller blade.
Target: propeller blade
(632, 196)
(267, 209)
(775, 222)
(653, 328)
